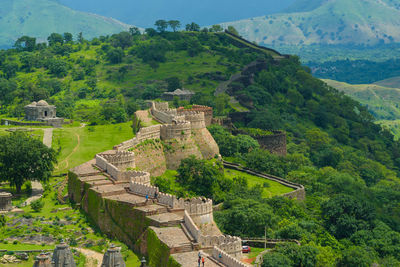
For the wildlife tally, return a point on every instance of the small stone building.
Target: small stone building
(182, 94)
(5, 201)
(42, 260)
(43, 112)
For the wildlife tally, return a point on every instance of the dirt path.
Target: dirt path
(93, 258)
(73, 150)
(47, 136)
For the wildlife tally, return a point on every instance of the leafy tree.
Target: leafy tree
(134, 31)
(55, 38)
(276, 260)
(10, 69)
(23, 158)
(193, 27)
(25, 43)
(161, 25)
(80, 38)
(344, 215)
(216, 28)
(357, 256)
(150, 32)
(174, 24)
(200, 176)
(122, 39)
(67, 37)
(115, 55)
(58, 67)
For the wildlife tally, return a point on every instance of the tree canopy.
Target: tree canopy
(23, 158)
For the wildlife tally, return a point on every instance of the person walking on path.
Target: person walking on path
(198, 261)
(202, 260)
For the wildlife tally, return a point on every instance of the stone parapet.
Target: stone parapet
(177, 130)
(143, 189)
(226, 259)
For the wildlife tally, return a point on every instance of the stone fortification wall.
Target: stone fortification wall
(191, 226)
(197, 206)
(196, 119)
(177, 130)
(121, 159)
(136, 176)
(208, 112)
(162, 112)
(275, 143)
(231, 245)
(143, 189)
(226, 259)
(151, 132)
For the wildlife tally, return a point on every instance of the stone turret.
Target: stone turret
(113, 258)
(43, 260)
(62, 256)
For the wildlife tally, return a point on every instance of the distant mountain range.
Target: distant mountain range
(205, 12)
(40, 18)
(333, 22)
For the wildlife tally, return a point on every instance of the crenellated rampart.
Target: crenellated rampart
(196, 119)
(121, 159)
(177, 130)
(143, 189)
(208, 112)
(226, 259)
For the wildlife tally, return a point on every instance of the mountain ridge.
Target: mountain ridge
(329, 22)
(40, 18)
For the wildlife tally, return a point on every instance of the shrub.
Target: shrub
(37, 205)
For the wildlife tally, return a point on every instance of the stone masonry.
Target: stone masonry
(43, 112)
(5, 201)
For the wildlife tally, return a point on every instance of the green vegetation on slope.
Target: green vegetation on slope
(382, 102)
(39, 18)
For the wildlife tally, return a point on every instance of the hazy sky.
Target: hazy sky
(143, 13)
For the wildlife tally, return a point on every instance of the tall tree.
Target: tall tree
(174, 24)
(193, 27)
(67, 37)
(161, 25)
(23, 158)
(25, 43)
(55, 38)
(134, 31)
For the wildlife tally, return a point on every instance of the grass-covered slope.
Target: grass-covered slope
(382, 102)
(40, 18)
(327, 22)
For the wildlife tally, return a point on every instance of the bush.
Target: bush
(37, 205)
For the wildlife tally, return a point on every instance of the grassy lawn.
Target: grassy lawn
(271, 188)
(92, 140)
(20, 246)
(254, 252)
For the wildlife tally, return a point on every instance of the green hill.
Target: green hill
(355, 22)
(349, 165)
(382, 102)
(40, 18)
(393, 82)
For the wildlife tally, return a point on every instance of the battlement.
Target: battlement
(208, 112)
(196, 119)
(177, 130)
(121, 159)
(143, 189)
(224, 258)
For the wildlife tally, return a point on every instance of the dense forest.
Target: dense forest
(348, 164)
(356, 71)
